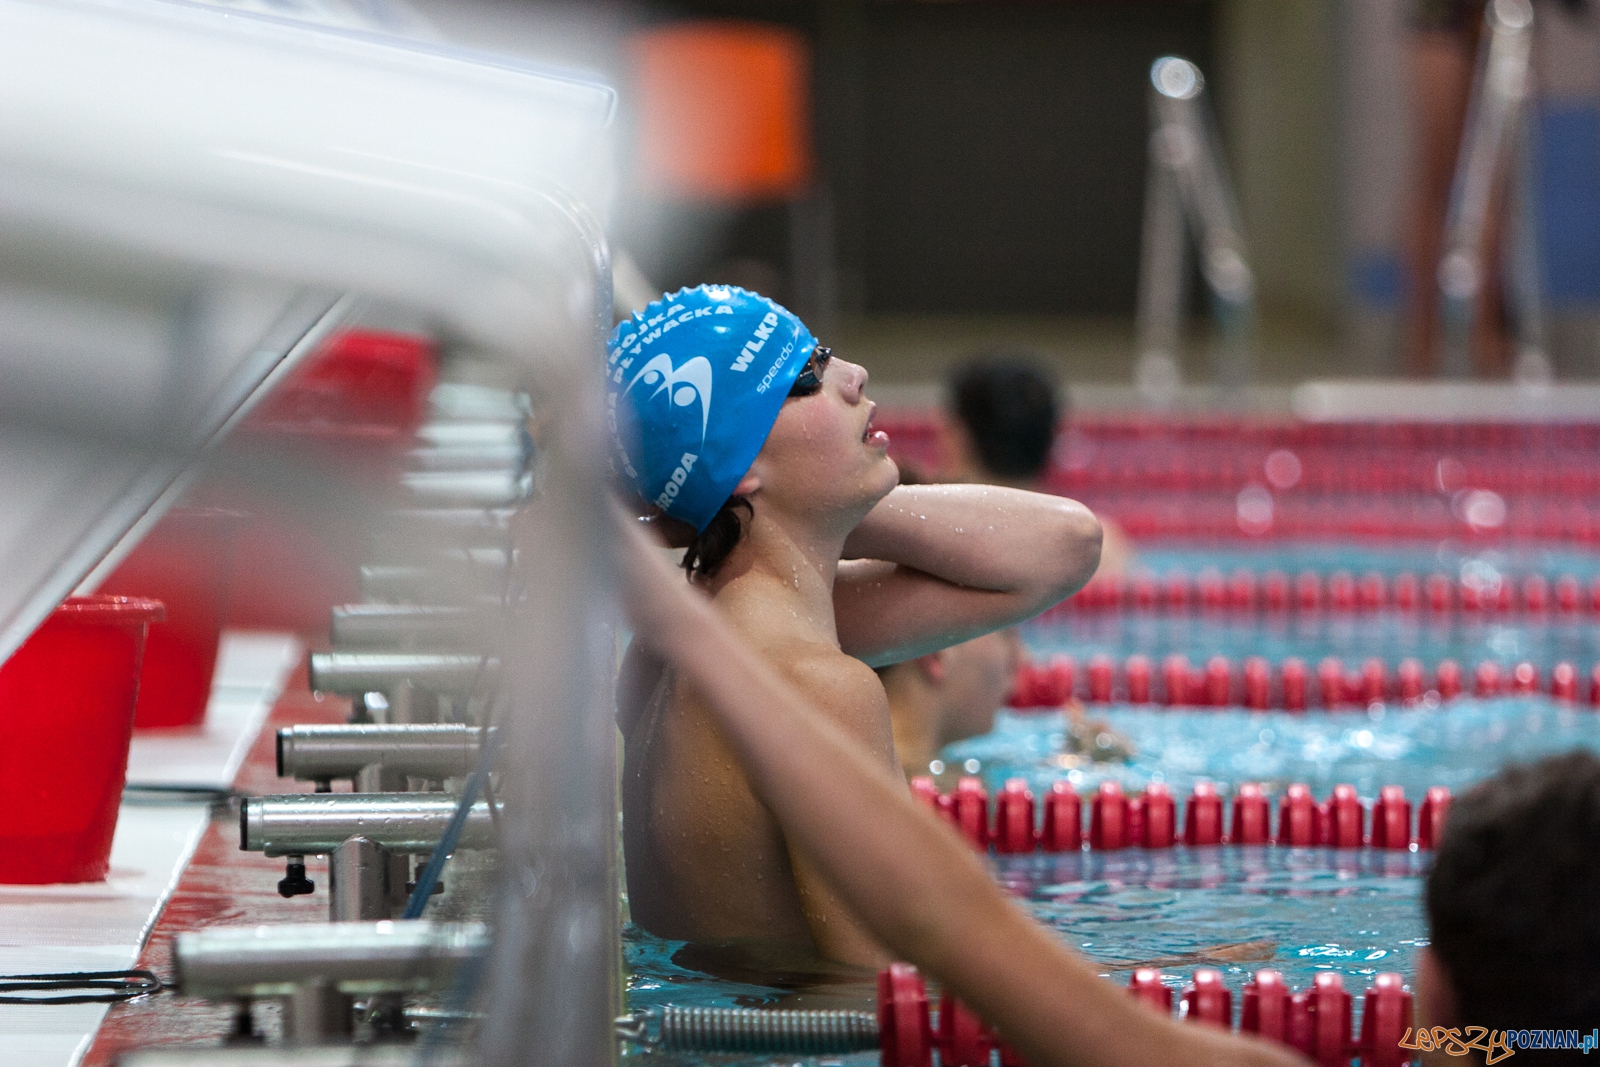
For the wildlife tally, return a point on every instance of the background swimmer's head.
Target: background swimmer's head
(949, 695)
(704, 428)
(1513, 927)
(1002, 413)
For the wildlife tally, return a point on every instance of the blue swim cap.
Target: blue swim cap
(694, 383)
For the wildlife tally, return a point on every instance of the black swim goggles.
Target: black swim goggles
(810, 378)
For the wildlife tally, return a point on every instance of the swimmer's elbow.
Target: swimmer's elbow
(1076, 540)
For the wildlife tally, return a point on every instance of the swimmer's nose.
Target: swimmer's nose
(853, 382)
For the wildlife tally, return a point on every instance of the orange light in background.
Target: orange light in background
(724, 111)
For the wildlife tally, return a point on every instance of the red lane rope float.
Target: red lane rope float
(1257, 686)
(1318, 1021)
(1150, 819)
(1339, 592)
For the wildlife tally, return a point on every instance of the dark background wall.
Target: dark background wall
(975, 157)
(1001, 158)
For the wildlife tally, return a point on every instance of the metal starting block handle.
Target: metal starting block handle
(468, 458)
(354, 673)
(466, 489)
(315, 824)
(448, 580)
(397, 625)
(408, 956)
(435, 751)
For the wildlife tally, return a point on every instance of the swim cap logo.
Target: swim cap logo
(756, 343)
(683, 385)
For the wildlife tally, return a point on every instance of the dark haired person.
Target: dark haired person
(754, 449)
(1514, 906)
(1003, 408)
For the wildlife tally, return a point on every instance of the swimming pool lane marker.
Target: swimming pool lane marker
(1310, 592)
(1257, 686)
(1317, 1021)
(1150, 819)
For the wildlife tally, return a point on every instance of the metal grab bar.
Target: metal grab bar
(1188, 192)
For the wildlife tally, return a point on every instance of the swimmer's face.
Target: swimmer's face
(978, 675)
(823, 455)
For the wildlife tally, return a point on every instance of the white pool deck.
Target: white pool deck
(103, 926)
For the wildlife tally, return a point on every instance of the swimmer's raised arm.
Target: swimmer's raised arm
(933, 565)
(907, 877)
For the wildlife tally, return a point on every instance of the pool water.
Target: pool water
(1453, 745)
(1388, 635)
(1386, 557)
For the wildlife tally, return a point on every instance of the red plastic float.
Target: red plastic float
(1219, 680)
(1448, 679)
(1257, 683)
(1406, 591)
(1431, 816)
(963, 1040)
(1386, 1016)
(1146, 987)
(1374, 681)
(1108, 818)
(1293, 672)
(1264, 1007)
(1160, 818)
(1391, 819)
(1524, 679)
(1564, 682)
(1137, 674)
(1251, 816)
(1101, 671)
(1486, 681)
(1297, 817)
(1346, 818)
(1207, 999)
(1275, 590)
(1175, 676)
(1330, 682)
(969, 810)
(1202, 816)
(904, 1037)
(1013, 818)
(1063, 820)
(1409, 681)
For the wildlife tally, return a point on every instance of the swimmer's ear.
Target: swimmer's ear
(748, 484)
(932, 666)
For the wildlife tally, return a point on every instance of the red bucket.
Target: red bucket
(184, 562)
(66, 716)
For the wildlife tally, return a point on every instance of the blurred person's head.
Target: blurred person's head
(1002, 413)
(724, 410)
(949, 695)
(1513, 904)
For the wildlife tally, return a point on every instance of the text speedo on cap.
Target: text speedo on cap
(694, 383)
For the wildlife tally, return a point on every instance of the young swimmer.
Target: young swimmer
(848, 818)
(1513, 927)
(948, 696)
(757, 446)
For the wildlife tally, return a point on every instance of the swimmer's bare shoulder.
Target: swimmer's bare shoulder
(847, 694)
